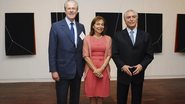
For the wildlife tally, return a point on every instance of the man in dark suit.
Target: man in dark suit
(65, 54)
(132, 52)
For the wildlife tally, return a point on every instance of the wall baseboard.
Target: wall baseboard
(112, 79)
(164, 76)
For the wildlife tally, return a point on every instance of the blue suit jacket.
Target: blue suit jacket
(64, 57)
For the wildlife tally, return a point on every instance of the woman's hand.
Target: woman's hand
(98, 73)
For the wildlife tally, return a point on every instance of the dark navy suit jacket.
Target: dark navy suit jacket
(64, 57)
(125, 53)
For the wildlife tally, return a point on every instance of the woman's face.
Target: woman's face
(98, 27)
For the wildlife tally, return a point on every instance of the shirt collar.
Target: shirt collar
(68, 21)
(135, 30)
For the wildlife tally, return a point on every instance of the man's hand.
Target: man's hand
(138, 69)
(125, 69)
(55, 76)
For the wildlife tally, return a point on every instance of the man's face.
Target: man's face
(131, 20)
(71, 10)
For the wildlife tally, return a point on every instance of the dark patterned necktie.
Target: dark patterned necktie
(72, 31)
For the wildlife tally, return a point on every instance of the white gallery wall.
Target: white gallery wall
(34, 68)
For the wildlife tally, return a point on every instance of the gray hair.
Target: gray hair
(65, 4)
(130, 10)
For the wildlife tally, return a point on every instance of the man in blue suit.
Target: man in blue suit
(65, 55)
(132, 53)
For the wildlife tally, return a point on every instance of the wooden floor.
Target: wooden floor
(156, 91)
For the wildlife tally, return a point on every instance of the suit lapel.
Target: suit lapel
(65, 27)
(128, 37)
(78, 33)
(138, 37)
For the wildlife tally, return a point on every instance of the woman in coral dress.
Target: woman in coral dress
(97, 54)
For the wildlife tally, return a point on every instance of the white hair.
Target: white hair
(65, 4)
(130, 10)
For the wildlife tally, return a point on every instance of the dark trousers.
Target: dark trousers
(68, 85)
(136, 93)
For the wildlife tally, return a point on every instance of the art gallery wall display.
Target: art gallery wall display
(19, 34)
(113, 22)
(152, 23)
(180, 33)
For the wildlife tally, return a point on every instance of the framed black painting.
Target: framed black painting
(19, 34)
(180, 33)
(152, 23)
(57, 16)
(113, 22)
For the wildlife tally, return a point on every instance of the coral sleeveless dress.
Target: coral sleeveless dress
(94, 86)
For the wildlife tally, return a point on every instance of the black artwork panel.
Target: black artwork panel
(142, 21)
(180, 33)
(113, 22)
(57, 16)
(152, 23)
(19, 34)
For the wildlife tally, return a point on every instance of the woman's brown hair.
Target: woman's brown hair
(97, 18)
